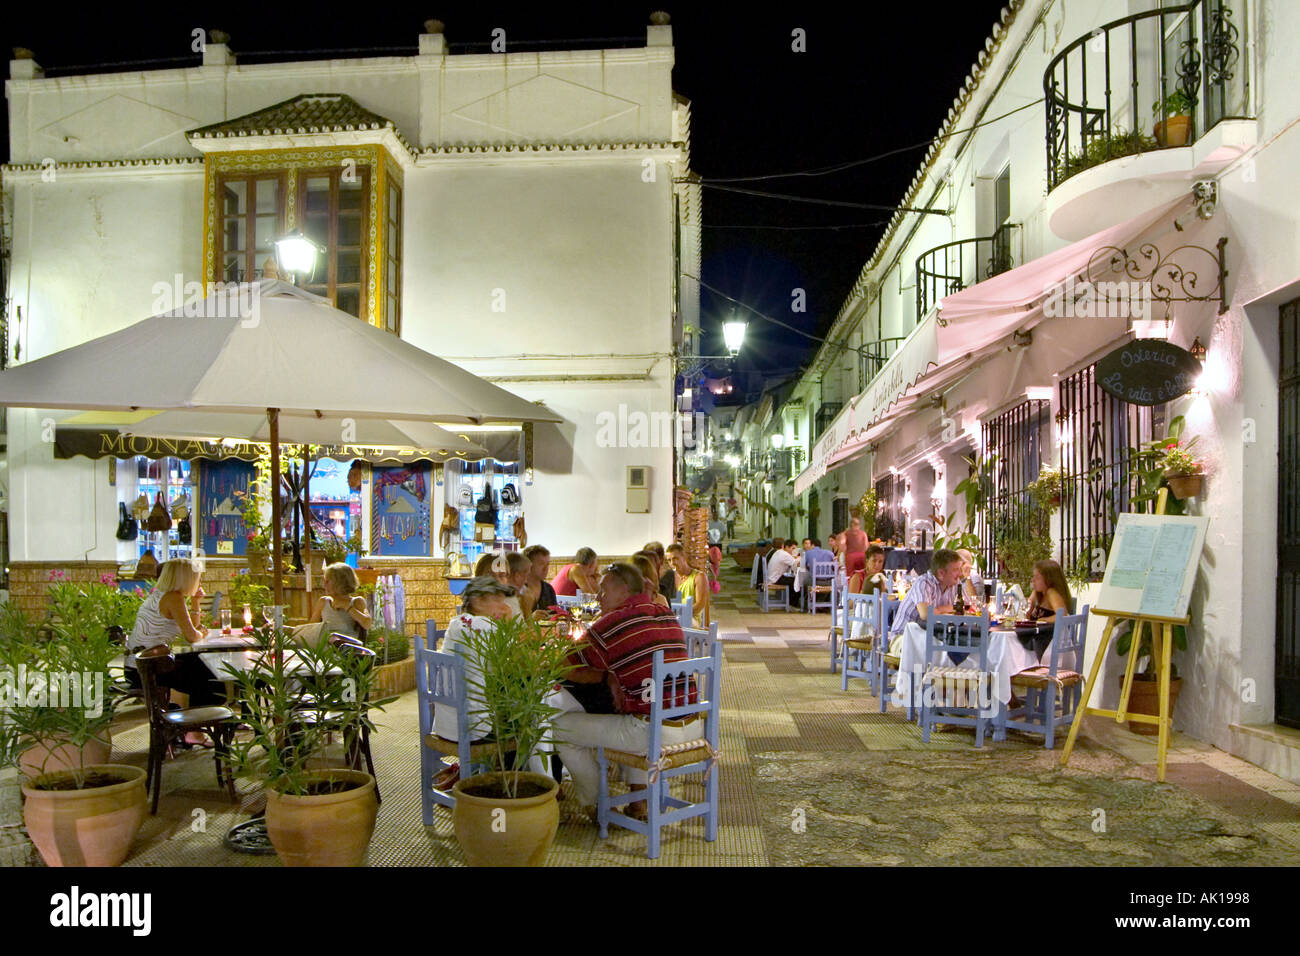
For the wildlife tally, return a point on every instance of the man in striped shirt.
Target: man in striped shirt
(620, 648)
(936, 591)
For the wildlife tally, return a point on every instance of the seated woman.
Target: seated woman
(691, 583)
(581, 575)
(1050, 596)
(168, 613)
(666, 577)
(872, 577)
(340, 610)
(643, 561)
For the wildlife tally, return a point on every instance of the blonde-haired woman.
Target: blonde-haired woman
(691, 583)
(170, 612)
(341, 610)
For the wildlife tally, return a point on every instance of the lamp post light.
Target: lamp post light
(296, 254)
(733, 333)
(778, 441)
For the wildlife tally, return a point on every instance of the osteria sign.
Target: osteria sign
(1148, 372)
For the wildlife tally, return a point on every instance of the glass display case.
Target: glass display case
(173, 478)
(465, 484)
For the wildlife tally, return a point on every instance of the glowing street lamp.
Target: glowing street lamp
(295, 254)
(733, 333)
(778, 441)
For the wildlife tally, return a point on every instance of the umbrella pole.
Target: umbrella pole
(277, 558)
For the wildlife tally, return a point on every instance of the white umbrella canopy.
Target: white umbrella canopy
(267, 345)
(263, 348)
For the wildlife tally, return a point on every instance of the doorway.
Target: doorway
(1287, 655)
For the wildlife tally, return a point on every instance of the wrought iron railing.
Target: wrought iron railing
(1149, 81)
(954, 266)
(1016, 437)
(825, 415)
(1099, 434)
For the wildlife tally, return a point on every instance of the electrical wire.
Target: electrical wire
(749, 308)
(840, 167)
(821, 202)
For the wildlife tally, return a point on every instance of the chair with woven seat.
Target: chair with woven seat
(166, 727)
(700, 642)
(952, 694)
(861, 632)
(768, 593)
(663, 763)
(440, 679)
(819, 594)
(1048, 687)
(885, 663)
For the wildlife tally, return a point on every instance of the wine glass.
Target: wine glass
(268, 614)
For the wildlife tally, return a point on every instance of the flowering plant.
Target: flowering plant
(1178, 461)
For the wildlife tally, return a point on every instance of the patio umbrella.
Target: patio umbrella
(265, 348)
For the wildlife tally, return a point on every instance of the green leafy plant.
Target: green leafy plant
(389, 646)
(520, 665)
(245, 590)
(1046, 489)
(255, 503)
(284, 748)
(1099, 149)
(1145, 650)
(867, 512)
(54, 677)
(1178, 461)
(1176, 103)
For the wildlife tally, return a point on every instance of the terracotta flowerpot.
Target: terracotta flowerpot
(257, 560)
(91, 827)
(367, 575)
(1173, 131)
(1144, 698)
(51, 756)
(1185, 486)
(332, 829)
(317, 564)
(522, 836)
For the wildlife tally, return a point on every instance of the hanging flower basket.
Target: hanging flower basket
(1185, 486)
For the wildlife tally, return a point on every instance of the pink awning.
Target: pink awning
(973, 323)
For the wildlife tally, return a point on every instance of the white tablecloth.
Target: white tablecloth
(1003, 661)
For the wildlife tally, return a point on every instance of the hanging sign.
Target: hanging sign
(1148, 372)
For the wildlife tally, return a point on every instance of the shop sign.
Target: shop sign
(1148, 372)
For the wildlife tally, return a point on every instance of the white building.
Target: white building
(518, 214)
(1034, 180)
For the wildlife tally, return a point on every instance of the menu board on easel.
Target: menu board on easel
(1152, 566)
(221, 509)
(399, 511)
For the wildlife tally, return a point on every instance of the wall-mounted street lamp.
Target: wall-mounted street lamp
(733, 333)
(296, 255)
(778, 441)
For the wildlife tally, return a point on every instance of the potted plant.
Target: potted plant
(1046, 489)
(1144, 697)
(316, 814)
(1175, 128)
(245, 590)
(1182, 472)
(507, 816)
(1100, 149)
(867, 511)
(80, 810)
(258, 549)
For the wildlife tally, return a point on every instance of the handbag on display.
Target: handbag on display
(181, 507)
(485, 511)
(509, 495)
(127, 528)
(159, 519)
(141, 507)
(183, 530)
(465, 496)
(147, 566)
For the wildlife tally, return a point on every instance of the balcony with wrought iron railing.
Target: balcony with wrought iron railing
(954, 266)
(1150, 82)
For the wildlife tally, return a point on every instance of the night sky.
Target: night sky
(874, 78)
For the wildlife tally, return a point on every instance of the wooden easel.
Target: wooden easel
(1162, 640)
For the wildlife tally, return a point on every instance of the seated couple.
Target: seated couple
(618, 651)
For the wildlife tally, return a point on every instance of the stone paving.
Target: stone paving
(814, 775)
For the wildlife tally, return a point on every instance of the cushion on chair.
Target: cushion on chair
(1042, 676)
(476, 750)
(698, 750)
(891, 660)
(838, 629)
(862, 643)
(197, 716)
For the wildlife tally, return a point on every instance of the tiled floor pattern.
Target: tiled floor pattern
(811, 775)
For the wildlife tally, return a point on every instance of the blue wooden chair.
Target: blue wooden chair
(440, 679)
(768, 593)
(861, 634)
(756, 571)
(700, 643)
(684, 609)
(819, 595)
(885, 664)
(1045, 687)
(837, 622)
(699, 755)
(951, 694)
